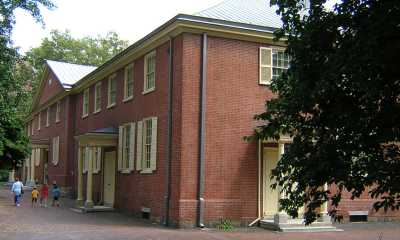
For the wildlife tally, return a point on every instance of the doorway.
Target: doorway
(270, 196)
(109, 178)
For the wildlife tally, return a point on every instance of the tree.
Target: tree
(340, 101)
(13, 142)
(61, 46)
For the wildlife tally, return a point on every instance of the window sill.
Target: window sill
(127, 99)
(125, 171)
(97, 111)
(148, 91)
(146, 171)
(111, 106)
(85, 116)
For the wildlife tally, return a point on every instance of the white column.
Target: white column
(80, 177)
(89, 178)
(281, 151)
(32, 175)
(324, 208)
(11, 176)
(28, 169)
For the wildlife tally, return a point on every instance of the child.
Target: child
(44, 194)
(56, 195)
(35, 195)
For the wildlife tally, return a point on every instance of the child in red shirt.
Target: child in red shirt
(44, 194)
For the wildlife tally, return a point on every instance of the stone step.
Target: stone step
(298, 226)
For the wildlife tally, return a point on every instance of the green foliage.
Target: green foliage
(13, 141)
(225, 225)
(61, 46)
(340, 101)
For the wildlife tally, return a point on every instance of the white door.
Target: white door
(271, 197)
(109, 178)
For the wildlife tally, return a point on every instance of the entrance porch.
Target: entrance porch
(97, 156)
(271, 216)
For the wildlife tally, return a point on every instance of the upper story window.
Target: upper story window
(273, 62)
(112, 91)
(147, 145)
(128, 82)
(58, 110)
(48, 117)
(85, 103)
(126, 147)
(149, 72)
(97, 97)
(39, 120)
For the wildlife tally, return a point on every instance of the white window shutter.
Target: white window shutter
(120, 147)
(139, 146)
(56, 150)
(265, 65)
(153, 156)
(132, 147)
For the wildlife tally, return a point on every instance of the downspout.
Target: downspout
(169, 134)
(203, 81)
(259, 185)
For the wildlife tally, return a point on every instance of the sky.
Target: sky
(131, 19)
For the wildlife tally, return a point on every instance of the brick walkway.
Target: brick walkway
(25, 223)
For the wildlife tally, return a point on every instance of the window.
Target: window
(97, 159)
(149, 72)
(126, 147)
(85, 103)
(273, 62)
(58, 110)
(97, 97)
(48, 117)
(56, 150)
(128, 82)
(280, 62)
(147, 145)
(39, 120)
(112, 91)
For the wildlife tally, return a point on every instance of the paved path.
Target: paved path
(25, 223)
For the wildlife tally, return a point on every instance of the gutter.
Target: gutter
(169, 134)
(203, 83)
(259, 186)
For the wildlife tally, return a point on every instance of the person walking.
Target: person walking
(35, 195)
(17, 190)
(44, 194)
(56, 195)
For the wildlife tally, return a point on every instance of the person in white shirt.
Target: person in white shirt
(17, 190)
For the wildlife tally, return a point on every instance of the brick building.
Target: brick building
(158, 130)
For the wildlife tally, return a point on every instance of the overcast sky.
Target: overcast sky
(131, 19)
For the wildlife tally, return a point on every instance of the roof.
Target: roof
(254, 12)
(69, 73)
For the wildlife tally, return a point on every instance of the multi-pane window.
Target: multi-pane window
(273, 62)
(126, 146)
(48, 117)
(97, 159)
(280, 62)
(128, 82)
(58, 110)
(150, 72)
(39, 120)
(147, 145)
(85, 103)
(97, 97)
(112, 91)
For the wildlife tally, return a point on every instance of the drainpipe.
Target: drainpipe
(203, 81)
(259, 185)
(169, 134)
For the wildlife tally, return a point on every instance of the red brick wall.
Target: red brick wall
(51, 90)
(134, 190)
(233, 96)
(59, 172)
